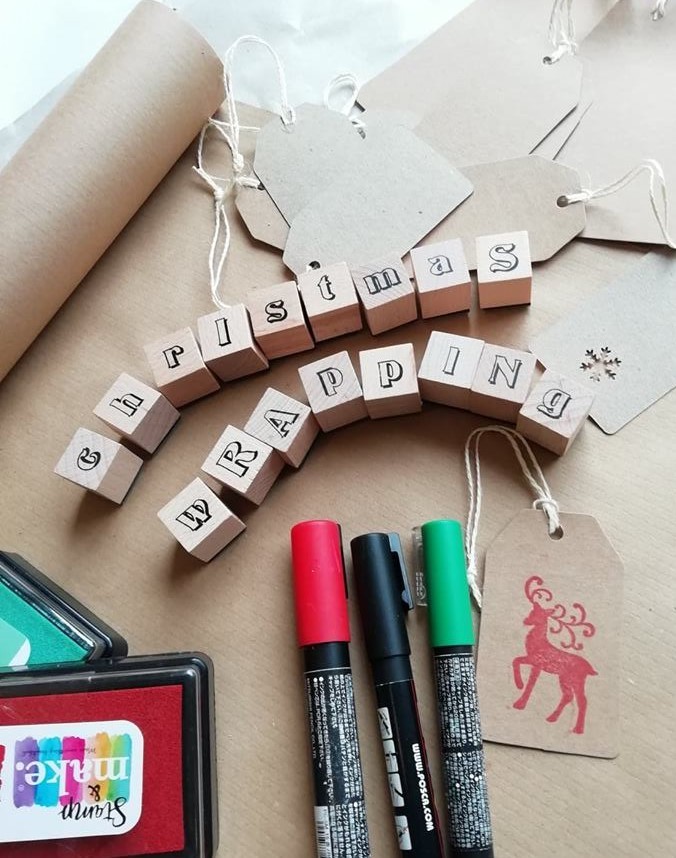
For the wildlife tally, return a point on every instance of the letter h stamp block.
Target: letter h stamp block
(244, 464)
(333, 391)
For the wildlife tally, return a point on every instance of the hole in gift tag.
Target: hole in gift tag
(314, 265)
(557, 533)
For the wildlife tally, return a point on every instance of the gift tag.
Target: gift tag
(548, 664)
(261, 216)
(619, 342)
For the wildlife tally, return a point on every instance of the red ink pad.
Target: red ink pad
(114, 759)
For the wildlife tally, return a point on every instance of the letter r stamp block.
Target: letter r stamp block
(177, 366)
(244, 464)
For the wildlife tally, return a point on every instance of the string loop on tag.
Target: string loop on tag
(658, 10)
(561, 31)
(345, 80)
(532, 472)
(656, 173)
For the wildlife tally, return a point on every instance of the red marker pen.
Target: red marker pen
(320, 591)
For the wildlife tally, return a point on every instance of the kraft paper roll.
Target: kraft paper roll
(91, 164)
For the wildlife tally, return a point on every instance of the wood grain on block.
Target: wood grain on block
(501, 382)
(244, 464)
(200, 521)
(228, 345)
(333, 391)
(442, 278)
(386, 294)
(390, 381)
(448, 368)
(138, 412)
(278, 321)
(555, 412)
(504, 271)
(99, 464)
(330, 300)
(177, 366)
(285, 424)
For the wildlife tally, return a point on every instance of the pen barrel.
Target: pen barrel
(340, 810)
(415, 814)
(464, 768)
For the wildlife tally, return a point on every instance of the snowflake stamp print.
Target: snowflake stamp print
(599, 365)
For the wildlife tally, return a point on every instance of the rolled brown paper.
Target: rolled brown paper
(88, 168)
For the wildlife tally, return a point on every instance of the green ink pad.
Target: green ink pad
(41, 624)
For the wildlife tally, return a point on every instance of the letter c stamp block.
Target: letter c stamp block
(244, 464)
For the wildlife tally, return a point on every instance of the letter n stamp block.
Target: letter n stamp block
(333, 391)
(390, 381)
(99, 464)
(177, 366)
(502, 382)
(503, 268)
(555, 412)
(386, 294)
(244, 464)
(284, 423)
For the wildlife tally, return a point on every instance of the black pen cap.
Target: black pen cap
(383, 593)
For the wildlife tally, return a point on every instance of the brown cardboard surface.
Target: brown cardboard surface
(372, 475)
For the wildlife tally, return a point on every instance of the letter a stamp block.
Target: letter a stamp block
(333, 391)
(99, 464)
(179, 371)
(504, 270)
(442, 278)
(244, 464)
(386, 294)
(285, 424)
(390, 381)
(502, 382)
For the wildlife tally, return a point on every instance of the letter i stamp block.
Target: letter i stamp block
(390, 381)
(504, 271)
(333, 391)
(227, 343)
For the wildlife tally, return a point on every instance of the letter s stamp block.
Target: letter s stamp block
(278, 321)
(504, 271)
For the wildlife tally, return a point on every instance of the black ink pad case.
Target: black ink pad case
(41, 624)
(112, 759)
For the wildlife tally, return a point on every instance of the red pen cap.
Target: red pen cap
(320, 588)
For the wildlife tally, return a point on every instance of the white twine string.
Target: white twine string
(658, 10)
(242, 176)
(345, 80)
(534, 476)
(561, 31)
(656, 173)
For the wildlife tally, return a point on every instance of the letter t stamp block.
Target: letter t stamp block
(333, 391)
(555, 412)
(244, 464)
(330, 301)
(503, 268)
(390, 381)
(285, 424)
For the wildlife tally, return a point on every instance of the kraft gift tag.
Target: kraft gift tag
(620, 342)
(261, 216)
(548, 663)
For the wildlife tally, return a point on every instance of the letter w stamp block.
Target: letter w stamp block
(390, 381)
(200, 521)
(333, 391)
(244, 464)
(285, 424)
(386, 294)
(502, 382)
(99, 464)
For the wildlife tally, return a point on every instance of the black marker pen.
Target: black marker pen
(323, 632)
(384, 599)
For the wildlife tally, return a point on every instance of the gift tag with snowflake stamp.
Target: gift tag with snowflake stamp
(548, 664)
(620, 341)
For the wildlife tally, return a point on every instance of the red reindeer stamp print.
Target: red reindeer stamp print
(552, 646)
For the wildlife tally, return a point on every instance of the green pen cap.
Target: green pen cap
(448, 606)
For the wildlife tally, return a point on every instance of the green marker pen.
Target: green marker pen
(452, 640)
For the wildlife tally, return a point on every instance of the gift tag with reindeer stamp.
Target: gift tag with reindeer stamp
(548, 663)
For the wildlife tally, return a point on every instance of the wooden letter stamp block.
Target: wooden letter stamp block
(386, 293)
(448, 368)
(244, 464)
(333, 391)
(442, 278)
(99, 464)
(278, 321)
(285, 424)
(330, 301)
(228, 345)
(200, 521)
(503, 268)
(138, 412)
(390, 381)
(554, 412)
(501, 382)
(179, 371)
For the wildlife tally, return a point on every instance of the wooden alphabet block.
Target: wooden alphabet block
(442, 278)
(138, 412)
(386, 294)
(333, 391)
(244, 464)
(278, 321)
(99, 464)
(504, 271)
(330, 300)
(390, 381)
(228, 345)
(285, 424)
(501, 382)
(555, 412)
(448, 368)
(179, 371)
(200, 521)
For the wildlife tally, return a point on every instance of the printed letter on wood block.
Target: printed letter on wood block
(200, 521)
(554, 412)
(227, 343)
(448, 368)
(278, 321)
(503, 269)
(178, 368)
(138, 412)
(442, 278)
(244, 464)
(386, 293)
(390, 381)
(330, 301)
(285, 424)
(99, 464)
(502, 382)
(333, 391)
